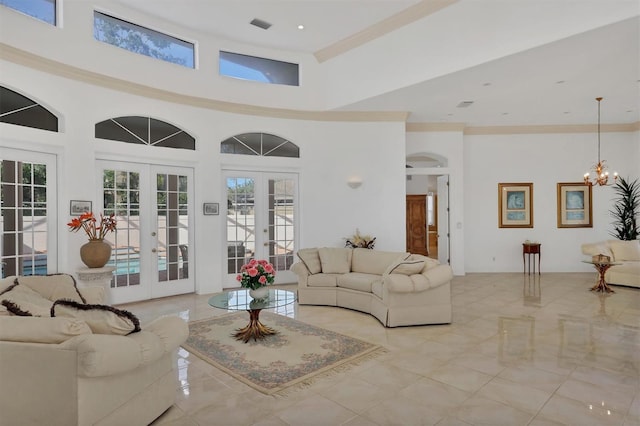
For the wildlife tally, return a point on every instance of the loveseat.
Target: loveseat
(67, 360)
(397, 288)
(627, 253)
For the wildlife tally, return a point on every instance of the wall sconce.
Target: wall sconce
(354, 182)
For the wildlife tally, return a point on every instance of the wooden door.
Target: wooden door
(417, 224)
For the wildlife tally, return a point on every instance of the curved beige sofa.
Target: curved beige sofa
(60, 371)
(626, 253)
(397, 288)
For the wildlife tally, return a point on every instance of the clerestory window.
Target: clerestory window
(141, 40)
(144, 131)
(44, 10)
(261, 144)
(254, 68)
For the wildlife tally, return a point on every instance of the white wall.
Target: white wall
(331, 153)
(544, 160)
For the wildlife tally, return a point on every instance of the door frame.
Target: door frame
(150, 287)
(261, 177)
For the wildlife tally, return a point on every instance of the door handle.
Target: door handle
(153, 250)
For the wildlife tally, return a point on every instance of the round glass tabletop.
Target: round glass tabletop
(239, 300)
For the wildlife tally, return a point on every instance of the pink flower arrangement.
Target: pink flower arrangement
(256, 274)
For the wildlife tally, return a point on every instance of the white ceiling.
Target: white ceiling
(556, 83)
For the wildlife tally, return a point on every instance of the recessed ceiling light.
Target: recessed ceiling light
(450, 114)
(505, 113)
(567, 112)
(487, 84)
(301, 27)
(560, 81)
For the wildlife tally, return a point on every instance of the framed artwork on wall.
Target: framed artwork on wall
(574, 205)
(77, 207)
(515, 205)
(210, 209)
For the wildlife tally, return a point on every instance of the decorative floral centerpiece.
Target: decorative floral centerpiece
(256, 274)
(88, 223)
(360, 241)
(96, 253)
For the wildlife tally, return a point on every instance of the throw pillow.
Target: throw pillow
(41, 330)
(335, 260)
(625, 250)
(311, 260)
(23, 301)
(54, 286)
(406, 267)
(102, 319)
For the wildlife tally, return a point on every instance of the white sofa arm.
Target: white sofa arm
(104, 354)
(300, 269)
(37, 372)
(430, 278)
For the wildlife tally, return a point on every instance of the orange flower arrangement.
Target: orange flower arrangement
(88, 223)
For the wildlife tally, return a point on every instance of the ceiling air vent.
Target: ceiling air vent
(260, 24)
(464, 104)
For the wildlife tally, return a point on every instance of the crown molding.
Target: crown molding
(30, 60)
(435, 127)
(547, 129)
(521, 130)
(392, 23)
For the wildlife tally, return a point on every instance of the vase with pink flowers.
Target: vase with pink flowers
(256, 276)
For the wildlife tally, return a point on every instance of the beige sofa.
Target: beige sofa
(88, 365)
(626, 253)
(397, 288)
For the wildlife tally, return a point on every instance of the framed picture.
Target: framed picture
(515, 205)
(78, 207)
(211, 208)
(574, 205)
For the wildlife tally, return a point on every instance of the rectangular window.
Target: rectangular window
(144, 41)
(254, 68)
(44, 10)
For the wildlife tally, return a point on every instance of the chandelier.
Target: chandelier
(599, 175)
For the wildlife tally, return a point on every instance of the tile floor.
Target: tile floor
(522, 350)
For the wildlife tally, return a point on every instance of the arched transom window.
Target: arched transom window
(260, 144)
(19, 110)
(145, 131)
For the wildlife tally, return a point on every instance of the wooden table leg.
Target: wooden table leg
(602, 285)
(255, 330)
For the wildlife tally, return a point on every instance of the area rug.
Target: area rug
(278, 364)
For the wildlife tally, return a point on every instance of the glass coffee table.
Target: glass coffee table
(239, 300)
(602, 268)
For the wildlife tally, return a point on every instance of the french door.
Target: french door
(261, 222)
(152, 246)
(28, 213)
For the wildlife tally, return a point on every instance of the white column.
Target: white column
(89, 277)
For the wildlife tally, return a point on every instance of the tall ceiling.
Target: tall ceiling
(552, 83)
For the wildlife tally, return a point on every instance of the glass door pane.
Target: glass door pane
(25, 217)
(121, 195)
(281, 208)
(172, 201)
(241, 226)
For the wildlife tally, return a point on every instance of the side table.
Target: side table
(529, 249)
(97, 276)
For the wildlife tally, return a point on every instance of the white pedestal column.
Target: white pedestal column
(89, 277)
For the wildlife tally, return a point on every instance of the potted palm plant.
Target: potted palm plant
(626, 209)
